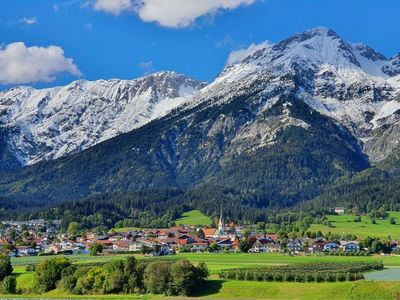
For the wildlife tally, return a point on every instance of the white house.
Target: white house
(351, 246)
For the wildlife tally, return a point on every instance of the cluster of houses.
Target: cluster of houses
(166, 241)
(38, 237)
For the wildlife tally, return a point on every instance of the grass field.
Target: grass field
(78, 259)
(344, 224)
(245, 290)
(194, 217)
(310, 291)
(218, 261)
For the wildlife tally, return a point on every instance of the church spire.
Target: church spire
(221, 222)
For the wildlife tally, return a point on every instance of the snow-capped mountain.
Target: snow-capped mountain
(50, 123)
(351, 83)
(272, 130)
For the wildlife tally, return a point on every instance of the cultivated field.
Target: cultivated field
(344, 224)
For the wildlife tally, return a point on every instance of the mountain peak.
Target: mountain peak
(320, 31)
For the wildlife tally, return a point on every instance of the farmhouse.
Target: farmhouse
(351, 246)
(330, 247)
(295, 245)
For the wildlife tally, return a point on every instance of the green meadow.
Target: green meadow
(194, 217)
(217, 288)
(344, 224)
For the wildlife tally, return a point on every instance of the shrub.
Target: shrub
(68, 283)
(278, 277)
(299, 278)
(319, 277)
(9, 285)
(30, 268)
(6, 268)
(310, 277)
(49, 272)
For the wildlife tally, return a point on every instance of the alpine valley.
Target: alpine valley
(307, 123)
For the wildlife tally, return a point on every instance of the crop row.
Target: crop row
(312, 272)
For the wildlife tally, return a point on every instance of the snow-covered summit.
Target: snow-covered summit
(349, 82)
(50, 123)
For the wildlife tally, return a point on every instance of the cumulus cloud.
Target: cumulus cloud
(22, 64)
(239, 55)
(169, 13)
(115, 7)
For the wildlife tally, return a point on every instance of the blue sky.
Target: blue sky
(111, 41)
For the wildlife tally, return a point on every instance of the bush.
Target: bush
(49, 272)
(30, 268)
(6, 268)
(95, 249)
(68, 283)
(310, 277)
(9, 285)
(319, 277)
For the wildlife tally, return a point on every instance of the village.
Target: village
(37, 237)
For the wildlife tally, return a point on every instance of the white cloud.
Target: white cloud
(169, 13)
(146, 66)
(237, 56)
(22, 64)
(115, 7)
(29, 21)
(182, 13)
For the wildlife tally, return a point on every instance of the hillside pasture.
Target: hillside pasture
(194, 217)
(344, 224)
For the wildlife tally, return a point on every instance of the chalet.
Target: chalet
(53, 248)
(25, 251)
(351, 246)
(209, 232)
(225, 243)
(200, 246)
(328, 247)
(135, 246)
(258, 247)
(319, 245)
(294, 245)
(121, 245)
(107, 245)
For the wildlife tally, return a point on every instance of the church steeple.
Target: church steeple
(221, 228)
(221, 220)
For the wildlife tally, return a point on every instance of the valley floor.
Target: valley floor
(230, 289)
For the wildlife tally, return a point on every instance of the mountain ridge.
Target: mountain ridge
(271, 131)
(50, 123)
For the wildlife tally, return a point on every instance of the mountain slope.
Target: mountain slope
(273, 130)
(50, 123)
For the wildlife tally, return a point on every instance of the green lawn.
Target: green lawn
(194, 217)
(78, 259)
(344, 224)
(290, 290)
(218, 261)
